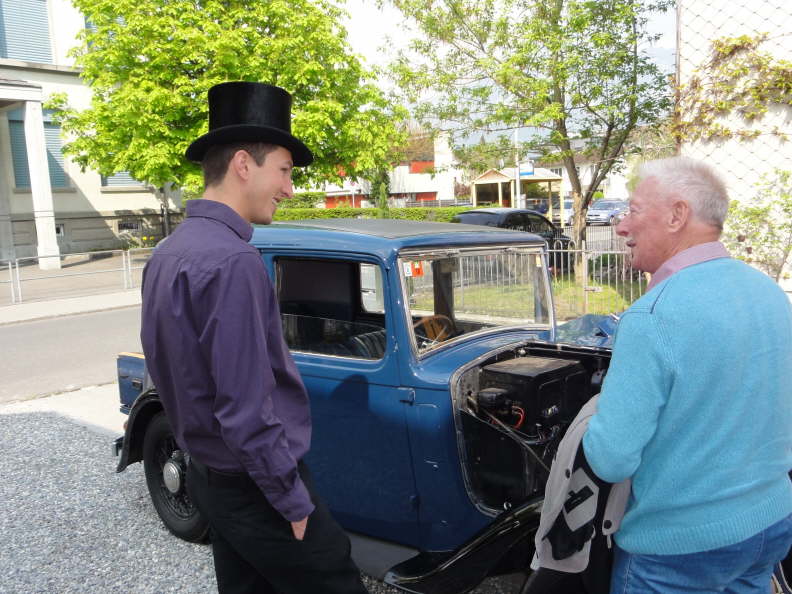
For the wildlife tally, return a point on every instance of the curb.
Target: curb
(42, 310)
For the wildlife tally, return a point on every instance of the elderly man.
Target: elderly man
(696, 407)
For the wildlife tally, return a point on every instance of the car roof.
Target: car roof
(382, 236)
(501, 210)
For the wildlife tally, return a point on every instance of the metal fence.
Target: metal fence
(585, 280)
(70, 275)
(717, 119)
(136, 261)
(743, 147)
(595, 279)
(592, 281)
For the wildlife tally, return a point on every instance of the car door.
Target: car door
(541, 226)
(340, 333)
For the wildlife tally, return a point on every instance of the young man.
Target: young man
(214, 348)
(696, 405)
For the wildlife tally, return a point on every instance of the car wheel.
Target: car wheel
(165, 466)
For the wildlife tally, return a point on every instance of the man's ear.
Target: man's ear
(240, 164)
(678, 215)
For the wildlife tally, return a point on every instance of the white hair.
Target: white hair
(693, 181)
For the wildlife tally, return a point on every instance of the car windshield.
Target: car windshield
(607, 205)
(452, 293)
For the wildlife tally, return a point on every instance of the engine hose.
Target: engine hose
(514, 435)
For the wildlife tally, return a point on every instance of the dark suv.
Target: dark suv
(521, 219)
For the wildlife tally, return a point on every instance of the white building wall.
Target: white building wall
(65, 24)
(89, 212)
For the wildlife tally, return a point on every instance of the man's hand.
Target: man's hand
(299, 527)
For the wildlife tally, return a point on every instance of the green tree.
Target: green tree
(150, 63)
(484, 155)
(760, 231)
(380, 190)
(569, 69)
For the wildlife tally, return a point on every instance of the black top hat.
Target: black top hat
(249, 112)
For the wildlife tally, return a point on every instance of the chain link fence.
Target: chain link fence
(726, 52)
(741, 158)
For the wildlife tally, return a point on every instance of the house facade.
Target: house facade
(48, 206)
(426, 181)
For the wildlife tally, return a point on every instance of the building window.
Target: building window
(24, 30)
(120, 179)
(19, 157)
(559, 171)
(132, 226)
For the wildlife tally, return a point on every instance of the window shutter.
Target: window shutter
(52, 139)
(122, 178)
(55, 156)
(24, 30)
(19, 154)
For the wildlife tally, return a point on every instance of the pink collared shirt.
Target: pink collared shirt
(694, 255)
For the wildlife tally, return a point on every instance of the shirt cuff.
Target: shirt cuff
(293, 505)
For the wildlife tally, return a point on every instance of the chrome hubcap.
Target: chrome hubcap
(172, 476)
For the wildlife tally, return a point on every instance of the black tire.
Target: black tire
(176, 510)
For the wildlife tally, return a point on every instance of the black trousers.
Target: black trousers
(254, 548)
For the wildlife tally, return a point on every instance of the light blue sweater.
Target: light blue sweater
(697, 408)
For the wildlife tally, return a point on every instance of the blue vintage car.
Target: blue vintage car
(437, 389)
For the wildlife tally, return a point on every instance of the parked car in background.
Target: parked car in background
(569, 212)
(521, 219)
(438, 393)
(605, 212)
(537, 204)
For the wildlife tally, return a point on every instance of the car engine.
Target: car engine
(513, 409)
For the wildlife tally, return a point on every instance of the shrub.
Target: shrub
(442, 214)
(303, 200)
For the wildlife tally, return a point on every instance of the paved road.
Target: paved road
(62, 354)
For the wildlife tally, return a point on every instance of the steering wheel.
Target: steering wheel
(436, 327)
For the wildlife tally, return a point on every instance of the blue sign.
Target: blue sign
(526, 169)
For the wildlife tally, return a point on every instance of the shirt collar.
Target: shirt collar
(694, 255)
(211, 209)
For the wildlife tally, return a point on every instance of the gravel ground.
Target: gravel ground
(68, 523)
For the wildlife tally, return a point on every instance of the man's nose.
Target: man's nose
(288, 189)
(622, 227)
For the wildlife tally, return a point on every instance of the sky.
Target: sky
(369, 28)
(376, 34)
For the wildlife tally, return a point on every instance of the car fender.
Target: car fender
(143, 409)
(504, 546)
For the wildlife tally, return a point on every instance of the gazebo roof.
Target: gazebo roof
(492, 176)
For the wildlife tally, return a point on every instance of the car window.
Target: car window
(514, 221)
(371, 292)
(451, 295)
(477, 218)
(539, 225)
(346, 318)
(607, 205)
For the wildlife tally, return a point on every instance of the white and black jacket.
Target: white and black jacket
(579, 508)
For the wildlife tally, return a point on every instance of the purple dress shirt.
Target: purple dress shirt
(697, 254)
(214, 347)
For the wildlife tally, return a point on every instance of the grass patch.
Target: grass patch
(570, 299)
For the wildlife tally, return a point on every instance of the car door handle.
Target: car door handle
(408, 396)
